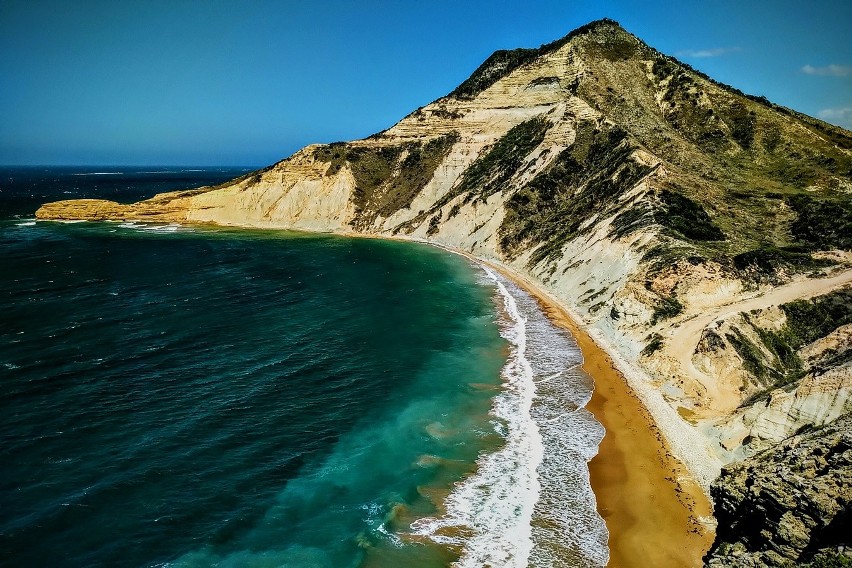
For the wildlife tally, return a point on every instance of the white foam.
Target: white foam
(100, 174)
(550, 438)
(171, 228)
(495, 505)
(25, 224)
(161, 228)
(567, 529)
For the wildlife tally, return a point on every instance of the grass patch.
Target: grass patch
(830, 560)
(809, 320)
(490, 172)
(686, 217)
(752, 357)
(504, 61)
(764, 264)
(639, 216)
(668, 308)
(821, 223)
(655, 343)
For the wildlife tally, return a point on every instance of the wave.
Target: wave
(531, 503)
(99, 174)
(170, 228)
(495, 505)
(567, 528)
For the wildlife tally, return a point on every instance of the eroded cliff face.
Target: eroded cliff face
(789, 505)
(661, 206)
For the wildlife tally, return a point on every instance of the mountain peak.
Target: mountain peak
(504, 61)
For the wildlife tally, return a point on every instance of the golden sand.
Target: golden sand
(645, 495)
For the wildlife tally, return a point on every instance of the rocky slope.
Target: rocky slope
(788, 505)
(678, 218)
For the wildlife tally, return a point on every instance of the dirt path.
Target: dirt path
(688, 333)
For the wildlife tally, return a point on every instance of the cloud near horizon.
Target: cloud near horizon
(714, 52)
(839, 116)
(831, 70)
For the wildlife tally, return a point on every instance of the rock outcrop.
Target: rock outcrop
(786, 505)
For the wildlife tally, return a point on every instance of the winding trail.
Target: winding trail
(688, 333)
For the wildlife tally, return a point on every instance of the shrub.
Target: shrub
(822, 224)
(687, 217)
(668, 308)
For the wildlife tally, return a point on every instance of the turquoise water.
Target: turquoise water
(209, 396)
(191, 397)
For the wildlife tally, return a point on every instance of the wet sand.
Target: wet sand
(649, 502)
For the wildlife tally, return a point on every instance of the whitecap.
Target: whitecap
(531, 503)
(495, 505)
(161, 228)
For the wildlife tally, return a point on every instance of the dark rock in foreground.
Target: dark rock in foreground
(788, 505)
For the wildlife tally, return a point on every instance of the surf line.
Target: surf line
(493, 508)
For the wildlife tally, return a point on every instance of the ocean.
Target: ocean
(193, 396)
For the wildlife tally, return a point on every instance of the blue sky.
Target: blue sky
(247, 83)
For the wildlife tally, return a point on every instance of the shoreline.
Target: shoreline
(651, 504)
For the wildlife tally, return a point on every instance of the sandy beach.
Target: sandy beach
(647, 498)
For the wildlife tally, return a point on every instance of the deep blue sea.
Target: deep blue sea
(186, 396)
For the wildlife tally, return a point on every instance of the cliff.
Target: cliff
(790, 505)
(678, 218)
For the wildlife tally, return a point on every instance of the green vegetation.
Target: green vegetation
(669, 307)
(778, 343)
(655, 343)
(687, 217)
(808, 320)
(741, 122)
(416, 170)
(490, 172)
(636, 217)
(442, 112)
(753, 358)
(387, 178)
(830, 560)
(503, 62)
(662, 256)
(584, 180)
(616, 48)
(253, 178)
(822, 224)
(434, 223)
(795, 173)
(764, 264)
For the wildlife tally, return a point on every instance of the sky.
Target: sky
(248, 83)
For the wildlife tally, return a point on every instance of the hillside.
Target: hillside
(703, 235)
